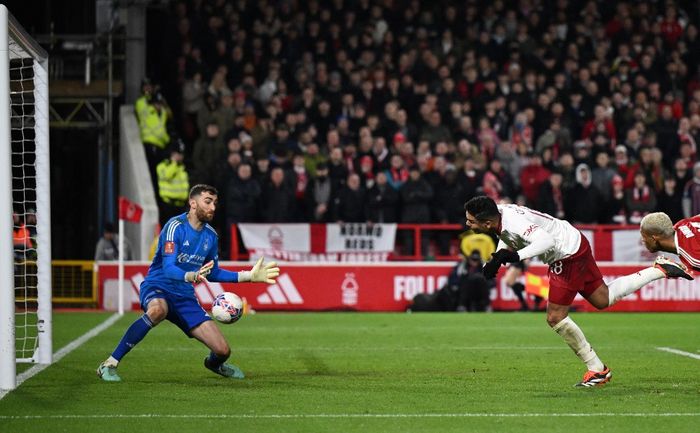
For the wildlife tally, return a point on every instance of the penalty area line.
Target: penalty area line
(679, 352)
(65, 350)
(352, 415)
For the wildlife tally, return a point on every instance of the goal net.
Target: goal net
(25, 214)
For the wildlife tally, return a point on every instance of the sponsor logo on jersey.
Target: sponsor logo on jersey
(186, 244)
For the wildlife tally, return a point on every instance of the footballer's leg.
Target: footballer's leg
(210, 334)
(608, 295)
(562, 324)
(156, 311)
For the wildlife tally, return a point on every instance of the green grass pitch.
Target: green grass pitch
(353, 372)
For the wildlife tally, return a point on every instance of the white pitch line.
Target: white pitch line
(356, 415)
(679, 352)
(68, 348)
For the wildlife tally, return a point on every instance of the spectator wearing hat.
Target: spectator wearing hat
(584, 202)
(173, 183)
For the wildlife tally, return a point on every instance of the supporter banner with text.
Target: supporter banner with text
(382, 287)
(349, 242)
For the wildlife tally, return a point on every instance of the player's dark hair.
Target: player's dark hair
(482, 208)
(200, 188)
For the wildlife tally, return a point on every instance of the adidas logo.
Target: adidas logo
(284, 292)
(186, 244)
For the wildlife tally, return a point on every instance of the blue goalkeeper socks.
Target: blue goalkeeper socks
(215, 361)
(133, 336)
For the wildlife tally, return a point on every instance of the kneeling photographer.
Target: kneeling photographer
(466, 289)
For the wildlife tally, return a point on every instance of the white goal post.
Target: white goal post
(25, 273)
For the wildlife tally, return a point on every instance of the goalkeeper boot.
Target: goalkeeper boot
(671, 269)
(226, 370)
(595, 378)
(108, 373)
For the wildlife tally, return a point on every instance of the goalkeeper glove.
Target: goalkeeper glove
(201, 274)
(261, 273)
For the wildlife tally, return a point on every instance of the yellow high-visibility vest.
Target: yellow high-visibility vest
(173, 182)
(153, 126)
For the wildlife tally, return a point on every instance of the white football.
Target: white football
(227, 308)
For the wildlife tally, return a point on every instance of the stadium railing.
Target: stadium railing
(602, 241)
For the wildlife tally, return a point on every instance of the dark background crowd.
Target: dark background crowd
(400, 111)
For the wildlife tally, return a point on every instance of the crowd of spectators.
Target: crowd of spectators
(400, 111)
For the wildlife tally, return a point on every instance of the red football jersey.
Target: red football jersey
(688, 241)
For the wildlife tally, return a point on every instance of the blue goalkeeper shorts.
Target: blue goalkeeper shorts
(183, 311)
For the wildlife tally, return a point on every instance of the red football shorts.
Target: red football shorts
(577, 273)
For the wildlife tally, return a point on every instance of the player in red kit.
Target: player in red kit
(683, 238)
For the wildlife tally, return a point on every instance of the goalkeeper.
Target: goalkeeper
(186, 254)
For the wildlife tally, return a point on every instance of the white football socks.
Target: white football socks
(623, 286)
(111, 362)
(574, 337)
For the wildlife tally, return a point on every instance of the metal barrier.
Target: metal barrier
(74, 281)
(602, 237)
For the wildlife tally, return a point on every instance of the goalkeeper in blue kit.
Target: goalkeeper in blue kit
(186, 254)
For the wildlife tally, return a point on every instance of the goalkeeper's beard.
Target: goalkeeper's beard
(203, 216)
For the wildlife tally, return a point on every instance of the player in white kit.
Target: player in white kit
(524, 233)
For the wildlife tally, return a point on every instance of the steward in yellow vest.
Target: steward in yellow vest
(173, 183)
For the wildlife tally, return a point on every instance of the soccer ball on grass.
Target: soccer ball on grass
(227, 308)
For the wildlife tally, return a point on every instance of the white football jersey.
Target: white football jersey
(520, 226)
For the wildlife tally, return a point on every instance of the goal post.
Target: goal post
(25, 273)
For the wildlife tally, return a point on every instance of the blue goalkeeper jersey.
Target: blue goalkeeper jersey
(183, 249)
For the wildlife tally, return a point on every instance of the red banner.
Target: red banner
(129, 211)
(383, 287)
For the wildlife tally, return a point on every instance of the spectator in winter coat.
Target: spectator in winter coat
(416, 194)
(640, 199)
(349, 205)
(278, 199)
(584, 201)
(382, 201)
(448, 207)
(243, 194)
(531, 178)
(319, 196)
(551, 196)
(670, 200)
(691, 194)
